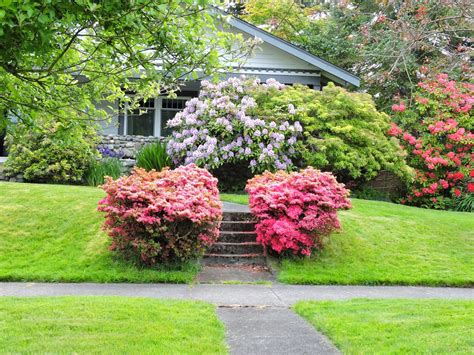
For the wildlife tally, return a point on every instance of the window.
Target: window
(151, 117)
(169, 108)
(140, 121)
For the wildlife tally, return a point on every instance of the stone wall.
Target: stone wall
(125, 147)
(4, 177)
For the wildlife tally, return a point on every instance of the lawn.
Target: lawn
(53, 233)
(115, 325)
(386, 243)
(364, 326)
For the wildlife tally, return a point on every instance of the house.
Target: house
(275, 58)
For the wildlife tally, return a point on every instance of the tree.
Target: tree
(59, 58)
(390, 44)
(284, 18)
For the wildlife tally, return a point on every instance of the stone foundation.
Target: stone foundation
(4, 177)
(124, 147)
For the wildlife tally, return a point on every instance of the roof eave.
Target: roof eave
(334, 72)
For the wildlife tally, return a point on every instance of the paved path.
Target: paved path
(272, 331)
(234, 207)
(227, 295)
(257, 317)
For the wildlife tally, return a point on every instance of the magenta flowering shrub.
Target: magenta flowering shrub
(437, 133)
(295, 210)
(160, 217)
(226, 124)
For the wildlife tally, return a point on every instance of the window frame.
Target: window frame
(158, 106)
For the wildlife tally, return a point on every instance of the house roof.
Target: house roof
(332, 71)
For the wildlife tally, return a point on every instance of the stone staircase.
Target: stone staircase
(237, 244)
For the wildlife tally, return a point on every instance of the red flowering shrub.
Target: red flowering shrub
(295, 210)
(437, 133)
(171, 215)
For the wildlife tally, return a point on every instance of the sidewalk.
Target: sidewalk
(275, 295)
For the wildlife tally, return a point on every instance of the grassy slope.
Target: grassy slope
(109, 325)
(394, 326)
(52, 233)
(385, 243)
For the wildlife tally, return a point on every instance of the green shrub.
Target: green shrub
(465, 203)
(153, 156)
(98, 169)
(58, 152)
(342, 132)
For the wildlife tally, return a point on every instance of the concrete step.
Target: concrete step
(236, 248)
(238, 226)
(234, 259)
(237, 237)
(237, 216)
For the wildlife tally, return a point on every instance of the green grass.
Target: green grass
(386, 243)
(110, 325)
(235, 198)
(53, 233)
(364, 326)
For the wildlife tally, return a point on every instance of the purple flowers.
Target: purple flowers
(223, 125)
(109, 153)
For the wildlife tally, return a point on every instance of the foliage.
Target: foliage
(369, 193)
(342, 132)
(57, 238)
(437, 133)
(153, 156)
(403, 36)
(384, 42)
(394, 326)
(383, 243)
(283, 18)
(296, 210)
(124, 325)
(225, 124)
(465, 203)
(158, 217)
(60, 57)
(58, 152)
(99, 169)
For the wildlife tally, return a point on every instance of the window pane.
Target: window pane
(166, 115)
(141, 125)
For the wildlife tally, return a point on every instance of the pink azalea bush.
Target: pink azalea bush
(165, 216)
(295, 210)
(437, 132)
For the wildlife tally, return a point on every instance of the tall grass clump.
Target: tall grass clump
(153, 156)
(100, 168)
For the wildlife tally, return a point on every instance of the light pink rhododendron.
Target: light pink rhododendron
(162, 216)
(295, 210)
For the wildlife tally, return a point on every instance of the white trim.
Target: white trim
(157, 120)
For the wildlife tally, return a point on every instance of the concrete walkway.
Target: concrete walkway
(276, 295)
(257, 317)
(234, 207)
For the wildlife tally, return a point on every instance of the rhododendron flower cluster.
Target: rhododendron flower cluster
(437, 133)
(222, 125)
(295, 210)
(165, 216)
